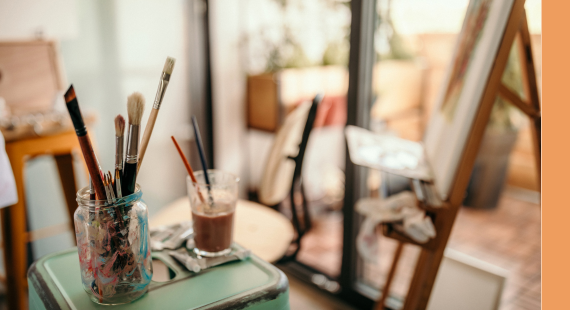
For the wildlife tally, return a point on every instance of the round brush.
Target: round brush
(135, 109)
(119, 133)
(164, 80)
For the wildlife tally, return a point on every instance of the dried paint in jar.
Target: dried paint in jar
(113, 244)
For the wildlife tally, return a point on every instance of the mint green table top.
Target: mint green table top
(55, 283)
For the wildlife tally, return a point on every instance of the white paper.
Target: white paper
(8, 192)
(387, 153)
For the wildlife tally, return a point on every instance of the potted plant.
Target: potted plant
(283, 62)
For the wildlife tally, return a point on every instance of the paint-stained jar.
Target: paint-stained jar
(113, 244)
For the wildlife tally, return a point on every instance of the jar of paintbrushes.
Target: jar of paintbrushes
(114, 247)
(111, 221)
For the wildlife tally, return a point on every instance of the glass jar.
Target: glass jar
(213, 207)
(113, 244)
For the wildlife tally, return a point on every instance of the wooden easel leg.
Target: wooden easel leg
(530, 88)
(428, 263)
(537, 142)
(386, 290)
(66, 175)
(14, 237)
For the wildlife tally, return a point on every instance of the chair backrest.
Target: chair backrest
(463, 88)
(282, 167)
(279, 169)
(305, 137)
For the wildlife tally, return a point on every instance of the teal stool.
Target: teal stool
(253, 284)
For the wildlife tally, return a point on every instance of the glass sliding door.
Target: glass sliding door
(328, 257)
(300, 48)
(293, 50)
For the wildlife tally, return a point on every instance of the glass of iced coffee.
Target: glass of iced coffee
(213, 208)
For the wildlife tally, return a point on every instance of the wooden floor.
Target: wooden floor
(507, 236)
(306, 297)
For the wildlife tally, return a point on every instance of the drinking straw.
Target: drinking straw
(202, 156)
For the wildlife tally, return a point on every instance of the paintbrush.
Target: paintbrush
(202, 157)
(164, 79)
(119, 133)
(91, 189)
(187, 165)
(85, 143)
(117, 184)
(135, 109)
(108, 190)
(111, 182)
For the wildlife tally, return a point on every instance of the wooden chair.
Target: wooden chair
(14, 228)
(266, 232)
(283, 170)
(30, 79)
(432, 252)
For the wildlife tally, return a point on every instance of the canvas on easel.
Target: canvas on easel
(460, 165)
(455, 131)
(466, 81)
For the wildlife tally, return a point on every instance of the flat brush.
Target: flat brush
(135, 109)
(85, 143)
(108, 189)
(119, 137)
(118, 187)
(164, 79)
(112, 183)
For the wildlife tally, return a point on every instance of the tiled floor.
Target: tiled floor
(507, 236)
(322, 246)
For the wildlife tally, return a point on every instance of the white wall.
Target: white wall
(25, 18)
(228, 84)
(120, 47)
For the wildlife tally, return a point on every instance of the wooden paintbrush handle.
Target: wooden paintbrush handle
(92, 165)
(146, 136)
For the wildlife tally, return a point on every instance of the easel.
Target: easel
(432, 252)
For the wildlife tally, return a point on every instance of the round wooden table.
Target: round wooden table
(265, 231)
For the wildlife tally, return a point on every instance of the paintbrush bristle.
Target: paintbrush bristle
(69, 94)
(135, 108)
(119, 125)
(169, 65)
